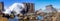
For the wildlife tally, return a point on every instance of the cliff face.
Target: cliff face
(29, 7)
(1, 6)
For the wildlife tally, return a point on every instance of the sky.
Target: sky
(41, 4)
(38, 4)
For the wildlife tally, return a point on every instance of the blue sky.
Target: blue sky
(10, 2)
(39, 4)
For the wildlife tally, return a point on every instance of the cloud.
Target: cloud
(17, 7)
(5, 7)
